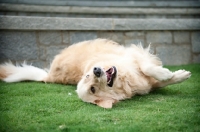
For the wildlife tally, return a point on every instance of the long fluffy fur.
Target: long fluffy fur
(15, 73)
(138, 71)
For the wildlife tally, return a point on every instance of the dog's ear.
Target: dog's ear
(105, 103)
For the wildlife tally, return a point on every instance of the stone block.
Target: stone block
(18, 45)
(128, 42)
(76, 37)
(196, 42)
(196, 58)
(115, 36)
(134, 37)
(174, 55)
(50, 37)
(65, 36)
(52, 51)
(42, 53)
(159, 37)
(181, 37)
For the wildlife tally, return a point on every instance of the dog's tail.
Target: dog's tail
(23, 72)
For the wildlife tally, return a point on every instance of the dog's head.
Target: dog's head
(96, 86)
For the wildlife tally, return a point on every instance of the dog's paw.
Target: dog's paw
(163, 74)
(180, 76)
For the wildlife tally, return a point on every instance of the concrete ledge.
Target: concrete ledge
(49, 23)
(97, 10)
(109, 3)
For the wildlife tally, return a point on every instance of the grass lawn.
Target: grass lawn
(34, 106)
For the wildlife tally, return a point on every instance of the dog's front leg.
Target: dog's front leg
(178, 76)
(157, 72)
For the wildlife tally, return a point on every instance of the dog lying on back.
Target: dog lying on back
(104, 71)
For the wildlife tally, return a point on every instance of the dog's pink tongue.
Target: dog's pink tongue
(109, 74)
(108, 77)
(109, 70)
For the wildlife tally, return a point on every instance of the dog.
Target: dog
(104, 71)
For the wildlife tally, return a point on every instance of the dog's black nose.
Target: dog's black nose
(97, 71)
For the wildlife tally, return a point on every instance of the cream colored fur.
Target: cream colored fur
(138, 71)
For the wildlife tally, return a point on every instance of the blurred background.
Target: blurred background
(37, 30)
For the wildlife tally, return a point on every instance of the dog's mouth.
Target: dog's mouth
(111, 74)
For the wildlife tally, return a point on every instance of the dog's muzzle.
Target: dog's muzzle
(110, 74)
(97, 71)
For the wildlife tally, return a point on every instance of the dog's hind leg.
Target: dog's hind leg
(178, 76)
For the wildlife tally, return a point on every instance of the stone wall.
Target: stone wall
(36, 31)
(40, 47)
(102, 8)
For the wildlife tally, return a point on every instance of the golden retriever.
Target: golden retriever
(104, 71)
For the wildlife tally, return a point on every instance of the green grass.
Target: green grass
(33, 106)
